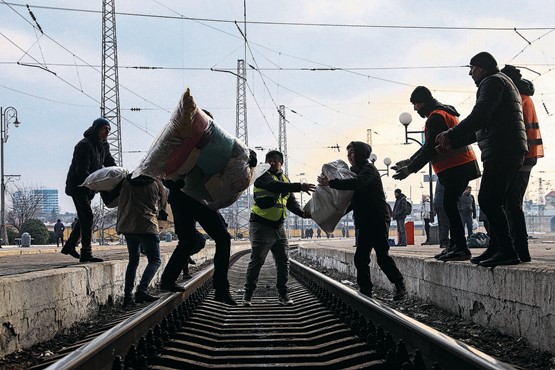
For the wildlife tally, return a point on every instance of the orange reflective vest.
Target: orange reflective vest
(455, 157)
(535, 143)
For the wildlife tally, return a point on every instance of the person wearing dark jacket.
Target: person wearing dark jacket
(399, 214)
(90, 154)
(140, 203)
(371, 218)
(59, 232)
(515, 199)
(273, 196)
(497, 122)
(467, 209)
(454, 170)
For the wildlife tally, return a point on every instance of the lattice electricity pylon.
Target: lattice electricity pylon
(241, 208)
(110, 108)
(282, 145)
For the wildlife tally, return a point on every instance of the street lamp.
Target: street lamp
(6, 115)
(405, 119)
(386, 161)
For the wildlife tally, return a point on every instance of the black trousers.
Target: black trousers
(82, 230)
(374, 236)
(453, 189)
(186, 213)
(515, 214)
(497, 180)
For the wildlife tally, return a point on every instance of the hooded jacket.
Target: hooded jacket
(436, 124)
(90, 154)
(368, 203)
(496, 119)
(140, 202)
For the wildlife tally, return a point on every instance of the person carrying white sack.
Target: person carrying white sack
(371, 217)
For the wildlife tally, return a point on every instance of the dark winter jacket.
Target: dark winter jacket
(400, 208)
(467, 204)
(368, 203)
(497, 121)
(436, 124)
(90, 154)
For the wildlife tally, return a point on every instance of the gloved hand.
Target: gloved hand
(400, 164)
(402, 173)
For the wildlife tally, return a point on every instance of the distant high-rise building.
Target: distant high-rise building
(48, 201)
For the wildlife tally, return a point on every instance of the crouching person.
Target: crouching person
(140, 202)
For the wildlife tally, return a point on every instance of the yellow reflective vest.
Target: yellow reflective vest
(278, 210)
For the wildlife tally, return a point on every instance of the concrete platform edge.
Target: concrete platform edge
(515, 301)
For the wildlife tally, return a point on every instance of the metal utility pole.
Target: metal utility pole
(283, 137)
(243, 204)
(110, 108)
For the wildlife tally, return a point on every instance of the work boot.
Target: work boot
(487, 254)
(224, 297)
(400, 291)
(86, 258)
(70, 250)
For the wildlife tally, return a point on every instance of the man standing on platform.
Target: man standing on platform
(90, 154)
(399, 215)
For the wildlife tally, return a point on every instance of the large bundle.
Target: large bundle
(193, 147)
(328, 205)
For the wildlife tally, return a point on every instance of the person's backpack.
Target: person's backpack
(409, 208)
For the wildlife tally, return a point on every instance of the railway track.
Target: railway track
(329, 326)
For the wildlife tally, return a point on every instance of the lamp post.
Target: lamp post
(6, 115)
(405, 119)
(386, 161)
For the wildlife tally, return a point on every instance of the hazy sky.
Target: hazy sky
(339, 67)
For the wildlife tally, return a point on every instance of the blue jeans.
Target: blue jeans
(151, 247)
(264, 239)
(402, 235)
(466, 218)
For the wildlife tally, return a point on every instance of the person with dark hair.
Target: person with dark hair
(141, 202)
(515, 198)
(273, 196)
(90, 154)
(467, 209)
(496, 123)
(399, 214)
(454, 170)
(371, 218)
(59, 232)
(426, 215)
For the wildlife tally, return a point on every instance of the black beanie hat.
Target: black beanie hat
(484, 60)
(99, 123)
(512, 72)
(271, 153)
(420, 95)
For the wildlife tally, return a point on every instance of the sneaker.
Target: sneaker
(224, 297)
(172, 287)
(284, 299)
(500, 259)
(400, 291)
(71, 251)
(90, 258)
(247, 298)
(141, 297)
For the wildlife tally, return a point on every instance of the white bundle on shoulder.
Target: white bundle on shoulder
(327, 206)
(105, 179)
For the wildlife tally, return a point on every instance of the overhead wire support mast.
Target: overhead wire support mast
(283, 137)
(110, 105)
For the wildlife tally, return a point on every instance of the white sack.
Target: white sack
(105, 179)
(327, 206)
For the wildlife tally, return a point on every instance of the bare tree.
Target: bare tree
(26, 204)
